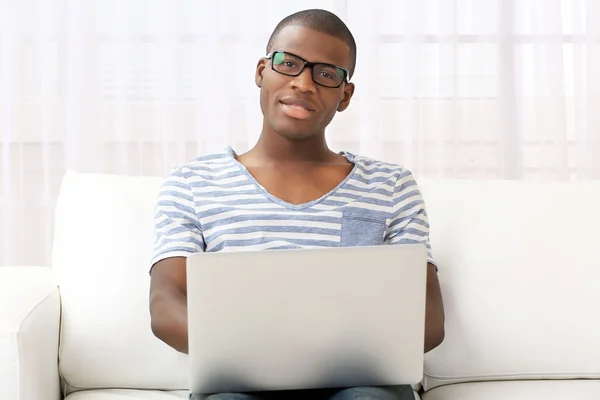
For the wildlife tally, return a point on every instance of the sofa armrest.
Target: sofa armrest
(29, 334)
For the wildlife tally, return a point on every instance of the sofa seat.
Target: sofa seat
(128, 394)
(124, 394)
(518, 390)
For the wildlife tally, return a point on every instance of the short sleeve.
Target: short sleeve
(409, 223)
(177, 230)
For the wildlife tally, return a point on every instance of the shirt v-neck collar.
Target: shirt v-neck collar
(349, 156)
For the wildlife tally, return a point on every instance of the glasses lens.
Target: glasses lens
(328, 75)
(287, 64)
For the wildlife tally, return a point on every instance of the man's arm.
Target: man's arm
(168, 302)
(178, 234)
(410, 225)
(434, 314)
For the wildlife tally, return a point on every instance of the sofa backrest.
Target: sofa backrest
(518, 261)
(101, 254)
(519, 265)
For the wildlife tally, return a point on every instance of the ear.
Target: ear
(260, 69)
(348, 93)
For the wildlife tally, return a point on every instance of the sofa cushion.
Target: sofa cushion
(101, 257)
(120, 394)
(519, 269)
(123, 394)
(518, 390)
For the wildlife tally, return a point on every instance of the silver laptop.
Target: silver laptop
(306, 319)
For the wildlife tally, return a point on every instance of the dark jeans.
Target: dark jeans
(357, 393)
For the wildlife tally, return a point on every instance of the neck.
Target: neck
(273, 147)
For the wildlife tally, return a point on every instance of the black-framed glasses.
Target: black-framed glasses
(323, 74)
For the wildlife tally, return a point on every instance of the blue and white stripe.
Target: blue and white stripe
(213, 204)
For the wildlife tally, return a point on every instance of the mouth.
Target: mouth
(297, 108)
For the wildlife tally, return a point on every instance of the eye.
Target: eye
(289, 64)
(327, 75)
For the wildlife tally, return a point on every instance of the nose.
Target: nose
(304, 82)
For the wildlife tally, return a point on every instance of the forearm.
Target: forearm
(434, 312)
(169, 320)
(434, 327)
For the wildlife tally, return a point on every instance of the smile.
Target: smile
(296, 111)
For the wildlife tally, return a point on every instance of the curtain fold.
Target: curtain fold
(494, 89)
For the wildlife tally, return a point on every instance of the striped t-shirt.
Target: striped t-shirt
(214, 204)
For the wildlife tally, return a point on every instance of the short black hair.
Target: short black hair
(321, 21)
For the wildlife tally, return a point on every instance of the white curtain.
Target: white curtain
(482, 89)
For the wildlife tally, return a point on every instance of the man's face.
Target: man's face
(295, 106)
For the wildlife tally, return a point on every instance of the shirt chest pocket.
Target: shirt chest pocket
(362, 228)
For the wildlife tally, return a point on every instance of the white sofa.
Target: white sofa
(519, 267)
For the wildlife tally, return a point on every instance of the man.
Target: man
(290, 190)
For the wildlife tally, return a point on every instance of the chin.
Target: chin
(293, 132)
